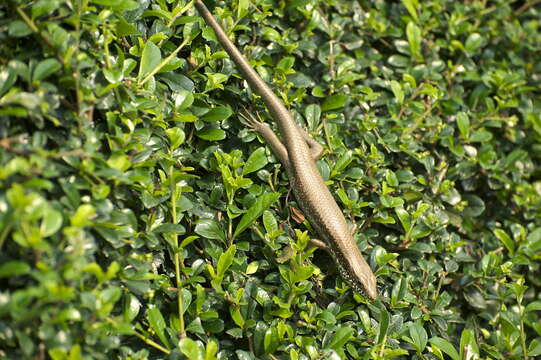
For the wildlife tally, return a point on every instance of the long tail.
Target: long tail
(277, 109)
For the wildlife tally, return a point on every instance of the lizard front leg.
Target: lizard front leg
(280, 150)
(316, 150)
(270, 137)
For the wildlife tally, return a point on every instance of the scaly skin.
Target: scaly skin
(298, 154)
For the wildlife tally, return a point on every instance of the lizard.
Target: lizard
(298, 153)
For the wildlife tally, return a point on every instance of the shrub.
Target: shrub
(139, 218)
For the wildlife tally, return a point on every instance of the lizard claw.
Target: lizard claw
(250, 120)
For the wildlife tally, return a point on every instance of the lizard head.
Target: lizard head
(358, 275)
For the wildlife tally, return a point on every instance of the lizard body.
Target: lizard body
(298, 152)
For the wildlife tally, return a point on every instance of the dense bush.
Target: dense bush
(136, 209)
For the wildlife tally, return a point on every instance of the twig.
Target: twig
(526, 6)
(32, 25)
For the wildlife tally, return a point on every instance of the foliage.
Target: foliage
(140, 219)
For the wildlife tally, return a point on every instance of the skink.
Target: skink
(298, 153)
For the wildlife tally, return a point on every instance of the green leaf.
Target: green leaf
(383, 325)
(294, 4)
(419, 336)
(505, 239)
(210, 229)
(131, 306)
(100, 191)
(445, 346)
(533, 306)
(119, 161)
(169, 228)
(111, 295)
(236, 315)
(412, 6)
(397, 91)
(271, 340)
(473, 42)
(533, 243)
(463, 123)
(286, 63)
(243, 8)
(336, 101)
(218, 113)
(225, 261)
(414, 39)
(468, 345)
(261, 204)
(157, 323)
(211, 134)
(44, 6)
(420, 231)
(302, 273)
(516, 156)
(211, 350)
(45, 68)
(95, 270)
(190, 349)
(188, 240)
(83, 215)
(124, 28)
(313, 115)
(159, 13)
(399, 291)
(391, 201)
(51, 223)
(256, 161)
(118, 5)
(113, 76)
(150, 59)
(534, 349)
(476, 205)
(399, 61)
(340, 338)
(8, 77)
(404, 218)
(14, 268)
(176, 137)
(183, 100)
(18, 28)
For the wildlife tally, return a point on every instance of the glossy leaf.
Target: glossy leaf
(261, 204)
(157, 323)
(445, 346)
(46, 68)
(255, 161)
(150, 59)
(334, 102)
(414, 38)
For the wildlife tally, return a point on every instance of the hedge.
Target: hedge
(141, 219)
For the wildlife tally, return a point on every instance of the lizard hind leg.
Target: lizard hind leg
(270, 137)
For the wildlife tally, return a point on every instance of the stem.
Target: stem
(164, 62)
(76, 74)
(152, 343)
(182, 331)
(32, 25)
(522, 333)
(526, 6)
(180, 12)
(4, 234)
(230, 232)
(382, 347)
(173, 187)
(106, 43)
